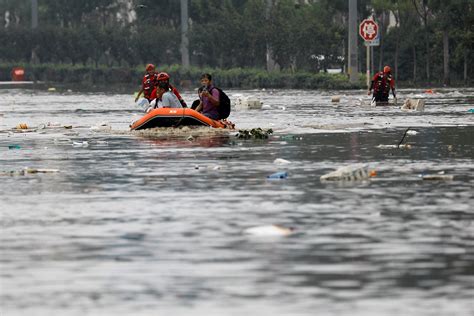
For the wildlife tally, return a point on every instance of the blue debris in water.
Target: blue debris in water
(14, 146)
(278, 175)
(471, 110)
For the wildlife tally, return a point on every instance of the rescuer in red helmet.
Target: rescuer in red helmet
(149, 82)
(382, 83)
(164, 77)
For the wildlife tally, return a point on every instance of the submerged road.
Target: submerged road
(126, 223)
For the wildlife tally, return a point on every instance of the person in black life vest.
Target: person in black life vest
(382, 83)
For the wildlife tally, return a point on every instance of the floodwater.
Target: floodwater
(136, 224)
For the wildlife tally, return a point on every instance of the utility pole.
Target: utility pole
(184, 34)
(353, 67)
(34, 14)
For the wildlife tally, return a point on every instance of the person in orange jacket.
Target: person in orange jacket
(382, 83)
(149, 83)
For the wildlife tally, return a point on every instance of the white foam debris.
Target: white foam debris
(281, 161)
(80, 144)
(103, 126)
(407, 146)
(269, 231)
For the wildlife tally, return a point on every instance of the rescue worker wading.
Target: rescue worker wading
(148, 83)
(382, 83)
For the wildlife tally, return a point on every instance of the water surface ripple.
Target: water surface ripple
(136, 225)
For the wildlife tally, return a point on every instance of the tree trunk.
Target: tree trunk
(446, 57)
(414, 64)
(427, 45)
(465, 66)
(397, 51)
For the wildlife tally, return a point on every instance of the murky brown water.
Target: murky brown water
(137, 224)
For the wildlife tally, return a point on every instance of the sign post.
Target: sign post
(368, 30)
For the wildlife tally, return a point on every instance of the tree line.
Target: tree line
(423, 40)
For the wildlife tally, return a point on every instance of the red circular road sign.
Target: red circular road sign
(368, 30)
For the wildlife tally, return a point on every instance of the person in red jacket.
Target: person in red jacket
(149, 83)
(382, 83)
(164, 77)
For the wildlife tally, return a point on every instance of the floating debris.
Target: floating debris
(402, 146)
(103, 126)
(269, 231)
(440, 176)
(349, 173)
(256, 133)
(281, 161)
(291, 137)
(414, 104)
(278, 175)
(336, 99)
(28, 170)
(80, 144)
(22, 126)
(14, 146)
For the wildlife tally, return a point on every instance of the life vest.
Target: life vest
(148, 84)
(383, 83)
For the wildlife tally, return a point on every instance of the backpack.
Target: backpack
(224, 104)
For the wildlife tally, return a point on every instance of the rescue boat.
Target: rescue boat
(174, 117)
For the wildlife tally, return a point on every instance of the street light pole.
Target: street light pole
(184, 33)
(34, 14)
(352, 52)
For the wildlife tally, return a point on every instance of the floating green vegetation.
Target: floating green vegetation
(254, 133)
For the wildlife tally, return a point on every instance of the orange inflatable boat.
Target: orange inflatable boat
(172, 117)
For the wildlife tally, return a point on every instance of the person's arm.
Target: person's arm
(371, 85)
(392, 85)
(213, 98)
(199, 107)
(139, 94)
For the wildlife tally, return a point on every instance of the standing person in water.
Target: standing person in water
(209, 98)
(382, 83)
(148, 83)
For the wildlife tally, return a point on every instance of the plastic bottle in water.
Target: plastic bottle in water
(278, 175)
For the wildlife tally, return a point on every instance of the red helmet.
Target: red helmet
(150, 67)
(162, 76)
(387, 69)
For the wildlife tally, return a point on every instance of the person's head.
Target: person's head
(163, 77)
(206, 80)
(150, 68)
(387, 70)
(162, 87)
